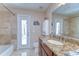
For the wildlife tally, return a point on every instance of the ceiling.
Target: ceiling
(28, 6)
(69, 9)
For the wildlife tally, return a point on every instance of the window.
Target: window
(24, 32)
(57, 28)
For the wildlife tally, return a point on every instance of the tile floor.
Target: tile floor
(26, 52)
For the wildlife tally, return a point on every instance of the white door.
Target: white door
(23, 35)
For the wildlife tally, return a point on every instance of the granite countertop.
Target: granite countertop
(68, 46)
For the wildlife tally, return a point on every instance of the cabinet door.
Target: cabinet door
(43, 52)
(47, 50)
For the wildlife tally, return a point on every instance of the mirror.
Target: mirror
(68, 17)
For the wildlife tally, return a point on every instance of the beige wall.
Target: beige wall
(8, 25)
(74, 27)
(71, 27)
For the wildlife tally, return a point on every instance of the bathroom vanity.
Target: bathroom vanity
(51, 49)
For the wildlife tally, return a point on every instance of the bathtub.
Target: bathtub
(6, 50)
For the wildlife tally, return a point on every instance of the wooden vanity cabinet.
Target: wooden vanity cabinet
(44, 49)
(40, 48)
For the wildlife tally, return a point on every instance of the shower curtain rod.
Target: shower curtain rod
(8, 9)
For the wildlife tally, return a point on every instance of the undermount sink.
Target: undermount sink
(54, 42)
(56, 45)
